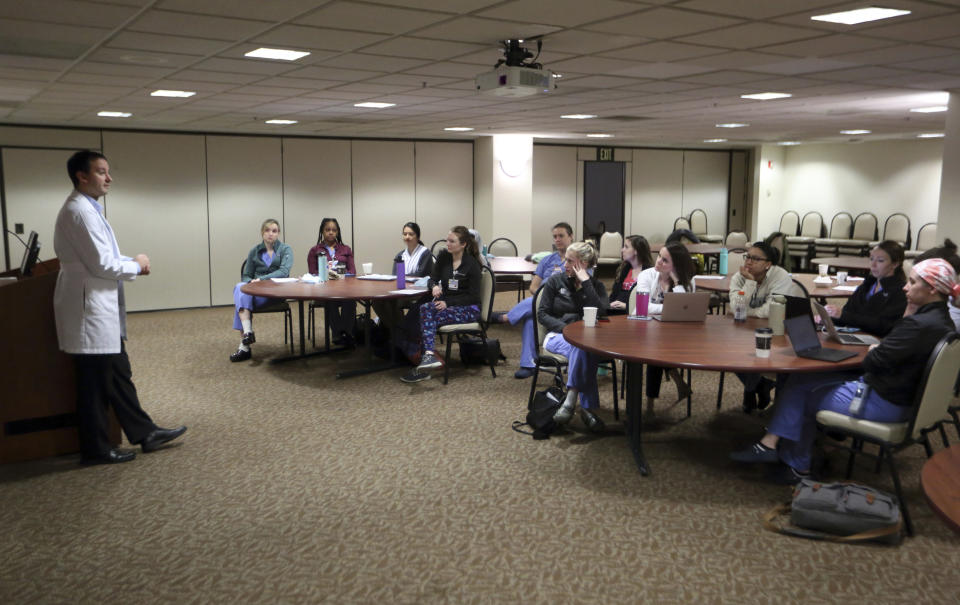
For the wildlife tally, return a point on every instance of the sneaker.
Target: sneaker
(499, 317)
(784, 474)
(591, 421)
(248, 338)
(415, 375)
(758, 453)
(429, 361)
(564, 413)
(241, 355)
(749, 401)
(523, 373)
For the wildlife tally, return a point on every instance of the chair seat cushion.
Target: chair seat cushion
(800, 239)
(554, 356)
(893, 432)
(852, 242)
(827, 241)
(609, 261)
(467, 327)
(710, 239)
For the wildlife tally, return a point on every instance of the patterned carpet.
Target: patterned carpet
(293, 487)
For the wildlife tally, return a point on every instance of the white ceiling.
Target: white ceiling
(657, 72)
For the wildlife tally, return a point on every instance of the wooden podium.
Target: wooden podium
(39, 401)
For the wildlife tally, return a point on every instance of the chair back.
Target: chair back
(927, 237)
(840, 225)
(737, 239)
(502, 247)
(437, 247)
(789, 223)
(681, 223)
(243, 266)
(610, 244)
(812, 225)
(897, 228)
(539, 330)
(797, 289)
(698, 222)
(937, 385)
(735, 260)
(778, 240)
(865, 227)
(488, 290)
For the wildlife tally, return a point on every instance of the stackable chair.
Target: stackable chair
(698, 224)
(790, 223)
(505, 247)
(609, 250)
(682, 222)
(737, 239)
(544, 359)
(926, 239)
(840, 227)
(802, 246)
(864, 232)
(896, 228)
(437, 247)
(276, 306)
(474, 328)
(935, 393)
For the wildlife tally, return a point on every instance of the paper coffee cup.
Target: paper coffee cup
(367, 268)
(823, 270)
(764, 337)
(590, 316)
(841, 278)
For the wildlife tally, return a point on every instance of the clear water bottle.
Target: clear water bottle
(739, 303)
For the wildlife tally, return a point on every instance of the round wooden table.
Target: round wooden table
(940, 481)
(718, 344)
(854, 263)
(820, 292)
(510, 270)
(364, 291)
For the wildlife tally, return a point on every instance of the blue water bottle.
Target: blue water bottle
(722, 267)
(401, 276)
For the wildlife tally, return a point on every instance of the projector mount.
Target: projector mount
(515, 55)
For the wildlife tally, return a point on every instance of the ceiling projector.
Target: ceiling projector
(517, 74)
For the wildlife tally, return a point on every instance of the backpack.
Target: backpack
(472, 351)
(540, 413)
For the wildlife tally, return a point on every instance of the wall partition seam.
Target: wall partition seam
(206, 185)
(415, 182)
(3, 214)
(353, 239)
(283, 197)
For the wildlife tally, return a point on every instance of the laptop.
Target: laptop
(806, 343)
(684, 306)
(844, 339)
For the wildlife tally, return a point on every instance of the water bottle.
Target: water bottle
(740, 306)
(401, 276)
(483, 252)
(722, 265)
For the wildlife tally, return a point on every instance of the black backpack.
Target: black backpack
(540, 413)
(473, 351)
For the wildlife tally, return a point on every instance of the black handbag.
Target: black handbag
(839, 512)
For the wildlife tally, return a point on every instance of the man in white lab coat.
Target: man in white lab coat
(91, 318)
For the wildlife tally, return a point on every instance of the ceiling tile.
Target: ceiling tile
(69, 12)
(274, 10)
(484, 31)
(895, 54)
(161, 43)
(332, 73)
(412, 81)
(418, 48)
(448, 69)
(213, 76)
(751, 9)
(826, 46)
(48, 40)
(666, 70)
(662, 23)
(140, 57)
(566, 13)
(751, 35)
(301, 36)
(451, 6)
(662, 51)
(244, 66)
(16, 73)
(199, 26)
(581, 42)
(942, 26)
(373, 62)
(723, 77)
(371, 18)
(802, 66)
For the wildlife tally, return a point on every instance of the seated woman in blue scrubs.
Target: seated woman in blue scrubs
(893, 370)
(270, 258)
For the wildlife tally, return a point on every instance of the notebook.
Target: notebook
(844, 339)
(684, 306)
(806, 343)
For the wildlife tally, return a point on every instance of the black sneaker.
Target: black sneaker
(756, 453)
(415, 375)
(784, 474)
(591, 421)
(241, 355)
(248, 338)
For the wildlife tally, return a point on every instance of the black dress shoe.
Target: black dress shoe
(241, 355)
(248, 338)
(160, 436)
(113, 456)
(763, 394)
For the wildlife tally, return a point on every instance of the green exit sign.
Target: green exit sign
(604, 154)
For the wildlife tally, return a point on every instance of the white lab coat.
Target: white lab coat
(88, 302)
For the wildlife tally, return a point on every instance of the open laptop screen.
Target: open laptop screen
(803, 336)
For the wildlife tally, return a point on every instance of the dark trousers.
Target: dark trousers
(654, 378)
(105, 381)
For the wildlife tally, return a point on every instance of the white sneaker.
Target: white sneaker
(565, 412)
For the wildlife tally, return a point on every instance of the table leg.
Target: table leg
(303, 344)
(371, 367)
(302, 339)
(634, 410)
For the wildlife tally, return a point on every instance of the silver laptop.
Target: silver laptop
(844, 339)
(684, 306)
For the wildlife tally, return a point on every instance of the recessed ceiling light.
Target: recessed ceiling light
(930, 135)
(714, 140)
(766, 96)
(280, 122)
(172, 93)
(600, 136)
(578, 116)
(276, 53)
(732, 125)
(372, 105)
(861, 15)
(556, 75)
(786, 143)
(855, 132)
(114, 114)
(934, 109)
(458, 129)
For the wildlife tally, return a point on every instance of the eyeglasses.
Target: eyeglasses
(756, 259)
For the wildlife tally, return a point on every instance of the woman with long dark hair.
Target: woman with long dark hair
(416, 258)
(636, 258)
(455, 287)
(672, 272)
(330, 252)
(879, 301)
